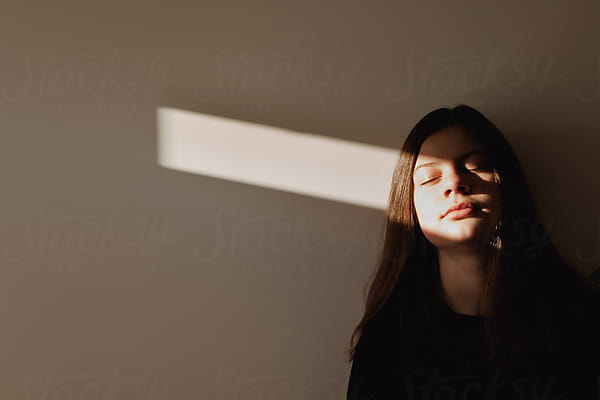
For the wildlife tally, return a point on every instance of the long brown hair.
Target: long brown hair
(524, 269)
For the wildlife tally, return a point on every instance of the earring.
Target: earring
(496, 240)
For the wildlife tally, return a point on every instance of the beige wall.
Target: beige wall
(126, 280)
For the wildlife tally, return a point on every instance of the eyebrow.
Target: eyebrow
(459, 157)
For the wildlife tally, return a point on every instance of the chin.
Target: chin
(464, 235)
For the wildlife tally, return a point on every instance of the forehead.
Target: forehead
(447, 144)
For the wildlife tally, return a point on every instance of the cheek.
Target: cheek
(425, 209)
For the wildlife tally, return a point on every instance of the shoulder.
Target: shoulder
(373, 361)
(582, 327)
(586, 308)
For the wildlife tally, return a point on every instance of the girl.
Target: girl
(471, 299)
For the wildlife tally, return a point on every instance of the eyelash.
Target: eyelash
(474, 169)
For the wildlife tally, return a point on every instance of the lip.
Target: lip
(460, 213)
(460, 210)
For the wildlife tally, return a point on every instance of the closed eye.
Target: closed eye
(430, 180)
(481, 169)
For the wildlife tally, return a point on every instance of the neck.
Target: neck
(462, 276)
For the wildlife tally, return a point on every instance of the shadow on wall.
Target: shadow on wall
(595, 277)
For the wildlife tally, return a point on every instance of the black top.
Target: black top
(390, 364)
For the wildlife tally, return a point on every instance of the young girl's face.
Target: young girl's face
(452, 168)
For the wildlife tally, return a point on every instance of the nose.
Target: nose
(456, 184)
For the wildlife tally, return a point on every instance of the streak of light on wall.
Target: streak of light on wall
(275, 158)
